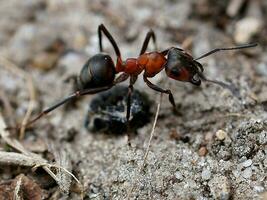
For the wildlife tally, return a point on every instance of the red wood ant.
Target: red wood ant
(98, 73)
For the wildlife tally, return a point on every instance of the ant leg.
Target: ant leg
(129, 96)
(102, 28)
(149, 35)
(157, 88)
(75, 95)
(63, 101)
(128, 111)
(122, 77)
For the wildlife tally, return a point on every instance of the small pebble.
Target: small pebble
(220, 187)
(247, 173)
(72, 62)
(175, 135)
(236, 173)
(206, 174)
(221, 135)
(264, 195)
(262, 68)
(247, 163)
(263, 138)
(179, 176)
(246, 28)
(209, 136)
(234, 7)
(202, 151)
(45, 61)
(242, 147)
(80, 40)
(258, 188)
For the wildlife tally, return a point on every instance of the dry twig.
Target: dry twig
(61, 160)
(152, 131)
(19, 72)
(148, 146)
(26, 158)
(17, 189)
(7, 107)
(12, 158)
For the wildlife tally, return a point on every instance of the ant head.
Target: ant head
(98, 71)
(182, 67)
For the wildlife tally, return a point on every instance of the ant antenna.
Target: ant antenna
(226, 49)
(232, 89)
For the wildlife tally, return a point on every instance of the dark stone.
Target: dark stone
(107, 111)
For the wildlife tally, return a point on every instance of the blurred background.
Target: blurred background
(43, 42)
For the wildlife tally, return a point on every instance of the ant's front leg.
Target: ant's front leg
(158, 89)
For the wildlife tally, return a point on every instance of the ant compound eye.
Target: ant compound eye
(175, 71)
(196, 80)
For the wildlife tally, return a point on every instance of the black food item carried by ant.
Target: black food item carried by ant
(107, 111)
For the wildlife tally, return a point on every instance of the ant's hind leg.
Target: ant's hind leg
(150, 35)
(75, 95)
(103, 29)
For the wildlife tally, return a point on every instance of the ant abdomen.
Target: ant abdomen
(98, 71)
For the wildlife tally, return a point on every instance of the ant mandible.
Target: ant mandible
(98, 73)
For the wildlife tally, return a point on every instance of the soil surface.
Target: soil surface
(214, 148)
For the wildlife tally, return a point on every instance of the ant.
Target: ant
(98, 73)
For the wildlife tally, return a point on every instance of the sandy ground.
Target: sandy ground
(214, 149)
